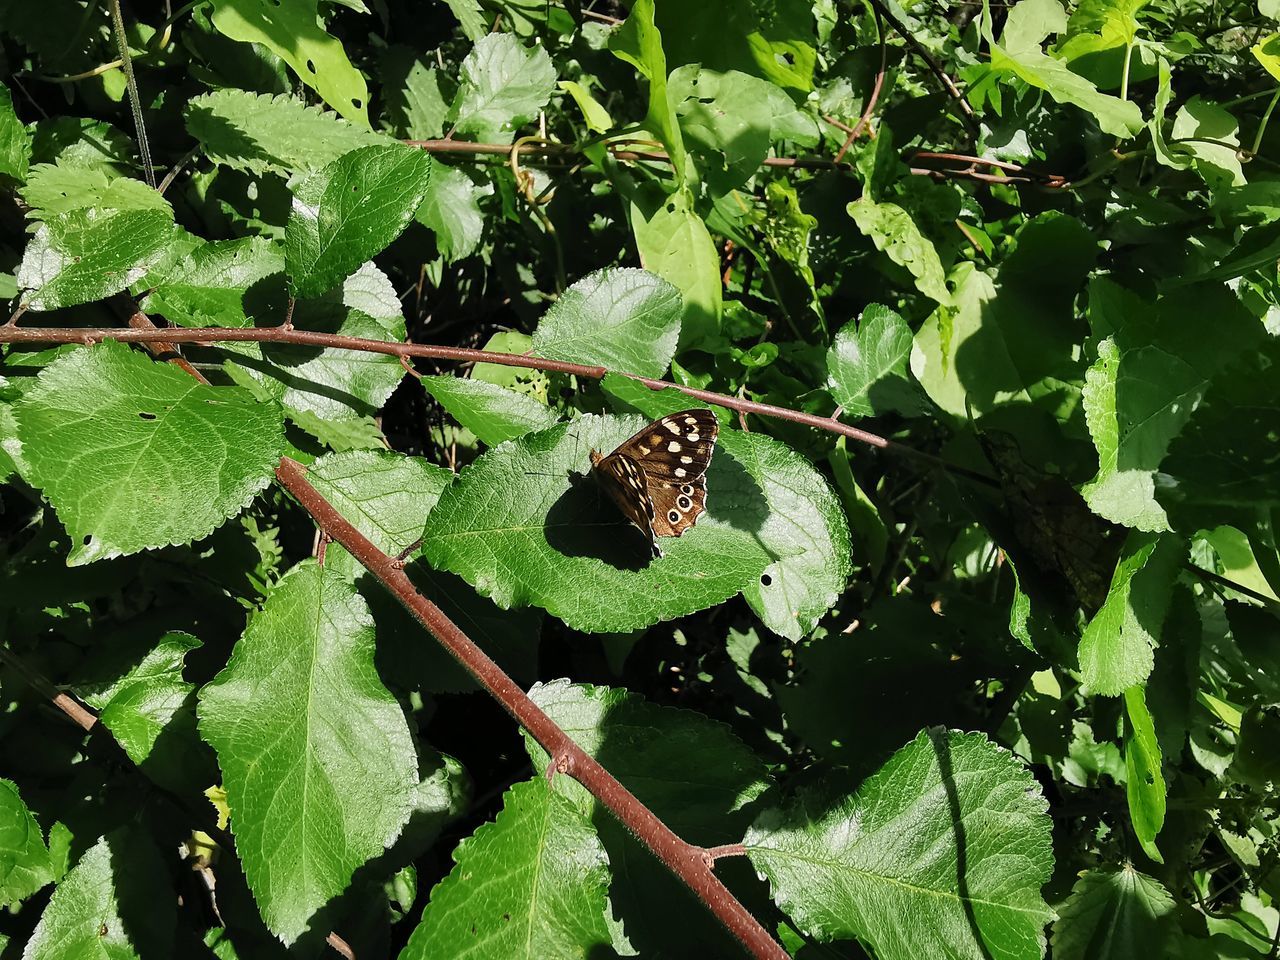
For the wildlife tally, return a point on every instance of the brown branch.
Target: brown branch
(1051, 179)
(875, 92)
(392, 348)
(568, 149)
(127, 309)
(934, 67)
(80, 715)
(686, 861)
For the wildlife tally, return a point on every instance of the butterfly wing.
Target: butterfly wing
(673, 453)
(625, 481)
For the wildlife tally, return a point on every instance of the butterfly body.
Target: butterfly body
(658, 477)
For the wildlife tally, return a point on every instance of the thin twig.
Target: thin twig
(562, 149)
(685, 860)
(79, 714)
(391, 348)
(875, 91)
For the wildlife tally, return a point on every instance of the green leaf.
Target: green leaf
(1198, 121)
(1267, 52)
(470, 18)
(867, 365)
(1116, 648)
(115, 904)
(727, 114)
(52, 189)
(293, 32)
(1114, 915)
(594, 115)
(1144, 783)
(86, 255)
(805, 530)
(940, 853)
(350, 210)
(503, 84)
(639, 42)
(384, 495)
(149, 710)
(332, 384)
(258, 133)
(451, 210)
(620, 318)
(415, 106)
(210, 287)
(135, 454)
(491, 412)
(530, 884)
(316, 755)
(895, 233)
(15, 140)
(25, 866)
(523, 529)
(674, 243)
(775, 40)
(1019, 55)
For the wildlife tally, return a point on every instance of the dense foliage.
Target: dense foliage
(997, 679)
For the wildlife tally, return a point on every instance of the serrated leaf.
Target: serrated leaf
(531, 884)
(149, 702)
(942, 852)
(673, 242)
(350, 210)
(1114, 915)
(491, 412)
(293, 32)
(258, 133)
(25, 866)
(316, 755)
(52, 189)
(86, 255)
(15, 140)
(1116, 648)
(452, 211)
(867, 365)
(210, 287)
(384, 495)
(332, 384)
(115, 904)
(1144, 781)
(894, 233)
(621, 318)
(521, 531)
(502, 85)
(805, 530)
(135, 454)
(415, 107)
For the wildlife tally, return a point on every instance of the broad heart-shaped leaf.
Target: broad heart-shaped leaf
(1116, 648)
(805, 530)
(502, 84)
(523, 525)
(211, 286)
(893, 231)
(450, 209)
(529, 885)
(135, 454)
(86, 255)
(692, 772)
(1114, 915)
(293, 33)
(116, 904)
(25, 866)
(350, 210)
(867, 365)
(316, 755)
(331, 384)
(941, 853)
(622, 319)
(256, 132)
(150, 711)
(491, 412)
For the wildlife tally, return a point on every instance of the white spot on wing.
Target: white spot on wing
(673, 447)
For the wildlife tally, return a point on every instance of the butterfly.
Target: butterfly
(658, 478)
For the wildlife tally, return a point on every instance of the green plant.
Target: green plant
(318, 315)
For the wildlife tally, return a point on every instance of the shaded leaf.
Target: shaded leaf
(674, 243)
(1114, 915)
(25, 866)
(896, 234)
(452, 211)
(867, 365)
(210, 287)
(491, 412)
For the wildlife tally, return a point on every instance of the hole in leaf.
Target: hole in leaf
(311, 66)
(87, 538)
(765, 580)
(146, 416)
(357, 104)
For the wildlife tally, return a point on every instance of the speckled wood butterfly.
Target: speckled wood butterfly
(658, 478)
